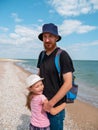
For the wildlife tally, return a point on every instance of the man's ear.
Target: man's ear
(57, 38)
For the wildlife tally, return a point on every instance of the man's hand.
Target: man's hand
(47, 106)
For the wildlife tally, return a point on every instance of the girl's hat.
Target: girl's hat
(32, 79)
(49, 28)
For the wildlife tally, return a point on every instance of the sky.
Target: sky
(21, 22)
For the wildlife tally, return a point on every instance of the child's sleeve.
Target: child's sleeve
(44, 99)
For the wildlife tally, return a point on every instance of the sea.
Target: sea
(86, 73)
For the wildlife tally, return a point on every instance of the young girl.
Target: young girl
(35, 101)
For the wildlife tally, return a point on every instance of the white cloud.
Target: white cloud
(83, 50)
(94, 43)
(95, 3)
(40, 20)
(21, 43)
(14, 35)
(16, 17)
(4, 39)
(74, 7)
(24, 31)
(51, 11)
(71, 26)
(25, 35)
(4, 29)
(81, 46)
(21, 35)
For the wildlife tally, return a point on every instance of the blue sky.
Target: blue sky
(21, 22)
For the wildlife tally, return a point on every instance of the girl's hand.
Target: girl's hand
(46, 106)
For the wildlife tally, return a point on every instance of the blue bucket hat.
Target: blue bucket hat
(50, 28)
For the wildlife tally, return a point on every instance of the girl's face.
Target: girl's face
(37, 88)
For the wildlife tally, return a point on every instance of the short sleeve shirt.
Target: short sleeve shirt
(38, 115)
(49, 72)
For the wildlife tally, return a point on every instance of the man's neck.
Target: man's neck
(48, 52)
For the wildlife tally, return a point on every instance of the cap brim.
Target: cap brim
(40, 36)
(32, 83)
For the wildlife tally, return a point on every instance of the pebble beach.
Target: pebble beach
(15, 116)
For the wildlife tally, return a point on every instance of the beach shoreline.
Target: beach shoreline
(79, 116)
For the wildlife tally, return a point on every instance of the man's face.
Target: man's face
(49, 41)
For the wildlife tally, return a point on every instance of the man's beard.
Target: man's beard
(49, 46)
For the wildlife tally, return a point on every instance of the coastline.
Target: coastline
(14, 115)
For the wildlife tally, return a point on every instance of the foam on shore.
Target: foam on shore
(9, 60)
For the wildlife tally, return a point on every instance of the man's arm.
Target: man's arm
(61, 93)
(56, 110)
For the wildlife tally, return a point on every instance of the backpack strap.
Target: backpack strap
(57, 61)
(72, 93)
(42, 56)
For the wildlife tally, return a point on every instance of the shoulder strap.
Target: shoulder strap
(57, 60)
(42, 56)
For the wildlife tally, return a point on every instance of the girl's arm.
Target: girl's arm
(56, 110)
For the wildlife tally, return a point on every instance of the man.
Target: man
(55, 87)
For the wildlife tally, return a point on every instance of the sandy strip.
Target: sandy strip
(82, 115)
(14, 115)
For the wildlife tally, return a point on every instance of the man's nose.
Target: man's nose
(47, 39)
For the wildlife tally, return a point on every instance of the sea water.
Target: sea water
(86, 73)
(87, 78)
